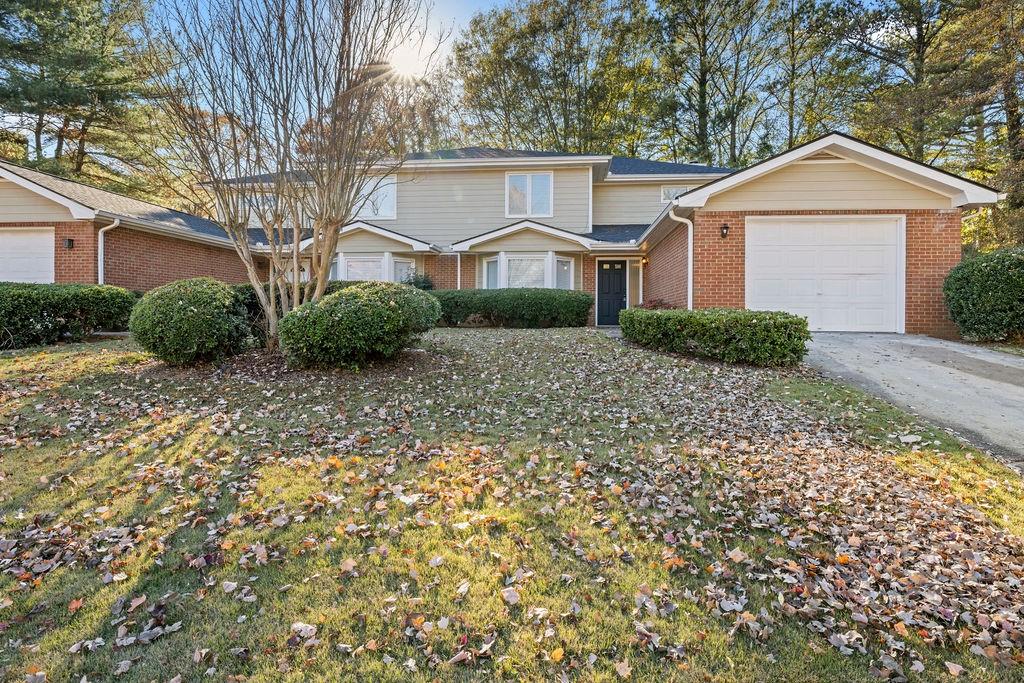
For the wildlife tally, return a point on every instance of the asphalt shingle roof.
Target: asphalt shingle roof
(117, 204)
(623, 232)
(634, 166)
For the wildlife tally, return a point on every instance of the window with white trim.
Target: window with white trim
(564, 273)
(529, 270)
(491, 273)
(371, 268)
(529, 195)
(670, 192)
(379, 199)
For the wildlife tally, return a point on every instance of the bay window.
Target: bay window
(384, 267)
(529, 195)
(529, 270)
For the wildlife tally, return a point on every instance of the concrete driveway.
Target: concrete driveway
(974, 391)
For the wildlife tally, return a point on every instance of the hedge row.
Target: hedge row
(360, 323)
(766, 338)
(32, 314)
(515, 307)
(985, 295)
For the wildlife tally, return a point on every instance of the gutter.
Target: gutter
(100, 242)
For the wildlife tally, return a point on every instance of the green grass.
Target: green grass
(478, 457)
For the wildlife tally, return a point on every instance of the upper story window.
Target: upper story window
(379, 199)
(670, 192)
(529, 195)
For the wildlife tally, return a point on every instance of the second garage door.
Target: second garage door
(843, 273)
(26, 255)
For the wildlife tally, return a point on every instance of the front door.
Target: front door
(611, 291)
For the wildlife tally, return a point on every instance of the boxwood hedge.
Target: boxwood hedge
(32, 314)
(766, 338)
(985, 295)
(363, 322)
(190, 321)
(254, 312)
(514, 307)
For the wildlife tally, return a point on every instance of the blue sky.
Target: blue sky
(460, 11)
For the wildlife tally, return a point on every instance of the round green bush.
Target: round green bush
(367, 321)
(190, 321)
(985, 295)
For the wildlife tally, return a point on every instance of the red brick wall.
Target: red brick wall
(442, 270)
(933, 248)
(143, 260)
(589, 275)
(665, 275)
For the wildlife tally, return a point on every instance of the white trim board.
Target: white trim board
(466, 244)
(416, 245)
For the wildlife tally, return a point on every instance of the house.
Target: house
(847, 234)
(57, 230)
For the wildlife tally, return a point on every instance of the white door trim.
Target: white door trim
(901, 251)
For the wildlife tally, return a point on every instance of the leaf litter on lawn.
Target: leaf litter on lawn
(761, 512)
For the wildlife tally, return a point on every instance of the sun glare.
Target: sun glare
(411, 60)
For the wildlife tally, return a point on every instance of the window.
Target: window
(563, 273)
(491, 273)
(670, 192)
(529, 270)
(404, 270)
(528, 195)
(364, 268)
(379, 199)
(525, 272)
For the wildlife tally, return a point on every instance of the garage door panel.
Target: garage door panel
(842, 274)
(26, 255)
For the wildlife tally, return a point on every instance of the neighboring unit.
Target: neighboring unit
(847, 234)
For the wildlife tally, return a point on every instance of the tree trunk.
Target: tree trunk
(61, 135)
(1014, 139)
(38, 133)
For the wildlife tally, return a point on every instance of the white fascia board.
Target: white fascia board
(506, 162)
(465, 245)
(414, 244)
(77, 210)
(664, 177)
(911, 171)
(615, 246)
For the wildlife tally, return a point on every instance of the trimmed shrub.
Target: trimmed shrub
(419, 281)
(254, 312)
(190, 321)
(516, 307)
(766, 338)
(363, 322)
(985, 295)
(32, 314)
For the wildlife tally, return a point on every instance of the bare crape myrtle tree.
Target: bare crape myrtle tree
(290, 113)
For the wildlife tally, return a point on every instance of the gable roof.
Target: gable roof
(962, 191)
(519, 226)
(88, 202)
(618, 165)
(414, 244)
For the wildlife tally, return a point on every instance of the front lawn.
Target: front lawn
(496, 504)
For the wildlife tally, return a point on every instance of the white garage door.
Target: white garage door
(843, 273)
(26, 254)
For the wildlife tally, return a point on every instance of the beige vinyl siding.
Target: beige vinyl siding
(363, 241)
(527, 240)
(626, 203)
(826, 186)
(443, 207)
(18, 204)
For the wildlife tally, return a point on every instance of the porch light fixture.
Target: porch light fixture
(69, 243)
(724, 230)
(644, 261)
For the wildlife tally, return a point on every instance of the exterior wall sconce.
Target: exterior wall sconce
(69, 243)
(724, 230)
(644, 261)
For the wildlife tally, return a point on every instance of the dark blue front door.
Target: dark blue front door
(611, 291)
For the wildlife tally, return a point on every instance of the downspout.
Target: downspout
(689, 255)
(100, 250)
(458, 270)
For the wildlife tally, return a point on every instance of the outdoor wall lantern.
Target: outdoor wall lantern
(69, 243)
(644, 261)
(724, 230)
